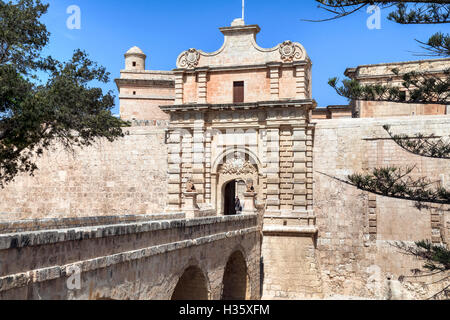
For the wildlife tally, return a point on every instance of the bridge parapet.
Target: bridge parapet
(37, 264)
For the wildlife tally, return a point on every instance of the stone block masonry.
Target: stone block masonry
(222, 123)
(357, 229)
(127, 177)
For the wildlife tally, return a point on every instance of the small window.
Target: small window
(238, 92)
(134, 93)
(134, 63)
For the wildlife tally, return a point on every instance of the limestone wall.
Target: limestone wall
(372, 109)
(355, 228)
(126, 177)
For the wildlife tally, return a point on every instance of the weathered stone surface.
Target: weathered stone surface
(313, 237)
(135, 269)
(355, 249)
(127, 177)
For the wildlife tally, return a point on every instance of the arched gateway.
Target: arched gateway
(232, 174)
(242, 115)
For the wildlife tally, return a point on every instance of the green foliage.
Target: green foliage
(425, 146)
(404, 12)
(437, 261)
(416, 87)
(396, 183)
(425, 12)
(437, 256)
(22, 35)
(64, 109)
(438, 45)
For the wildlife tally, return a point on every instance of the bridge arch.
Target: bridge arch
(236, 284)
(192, 285)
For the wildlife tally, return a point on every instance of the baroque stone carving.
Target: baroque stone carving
(250, 186)
(290, 51)
(237, 166)
(189, 59)
(190, 187)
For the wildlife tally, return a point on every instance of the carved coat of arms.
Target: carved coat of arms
(290, 51)
(237, 166)
(189, 59)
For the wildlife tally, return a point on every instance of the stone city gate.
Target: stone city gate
(243, 113)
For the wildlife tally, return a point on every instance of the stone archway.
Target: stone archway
(235, 279)
(237, 165)
(192, 285)
(232, 190)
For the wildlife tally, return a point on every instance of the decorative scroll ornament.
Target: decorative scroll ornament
(237, 166)
(190, 187)
(290, 51)
(250, 185)
(189, 59)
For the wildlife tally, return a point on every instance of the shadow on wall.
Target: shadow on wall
(191, 286)
(235, 280)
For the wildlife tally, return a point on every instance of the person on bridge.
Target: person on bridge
(238, 206)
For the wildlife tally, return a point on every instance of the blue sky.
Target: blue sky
(163, 29)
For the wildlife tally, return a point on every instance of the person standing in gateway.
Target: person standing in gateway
(237, 206)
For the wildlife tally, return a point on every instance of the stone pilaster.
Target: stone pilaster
(302, 85)
(286, 170)
(186, 159)
(274, 71)
(249, 203)
(190, 207)
(273, 169)
(202, 76)
(198, 156)
(373, 217)
(309, 169)
(179, 79)
(208, 165)
(299, 138)
(174, 159)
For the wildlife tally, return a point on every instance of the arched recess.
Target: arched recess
(192, 285)
(248, 168)
(230, 151)
(236, 284)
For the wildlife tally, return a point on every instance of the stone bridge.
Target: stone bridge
(131, 257)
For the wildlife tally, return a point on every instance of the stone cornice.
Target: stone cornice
(241, 106)
(299, 231)
(390, 76)
(253, 29)
(354, 73)
(145, 97)
(145, 83)
(244, 67)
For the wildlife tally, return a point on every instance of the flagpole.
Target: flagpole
(243, 10)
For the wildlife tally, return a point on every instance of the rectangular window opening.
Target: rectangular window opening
(238, 92)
